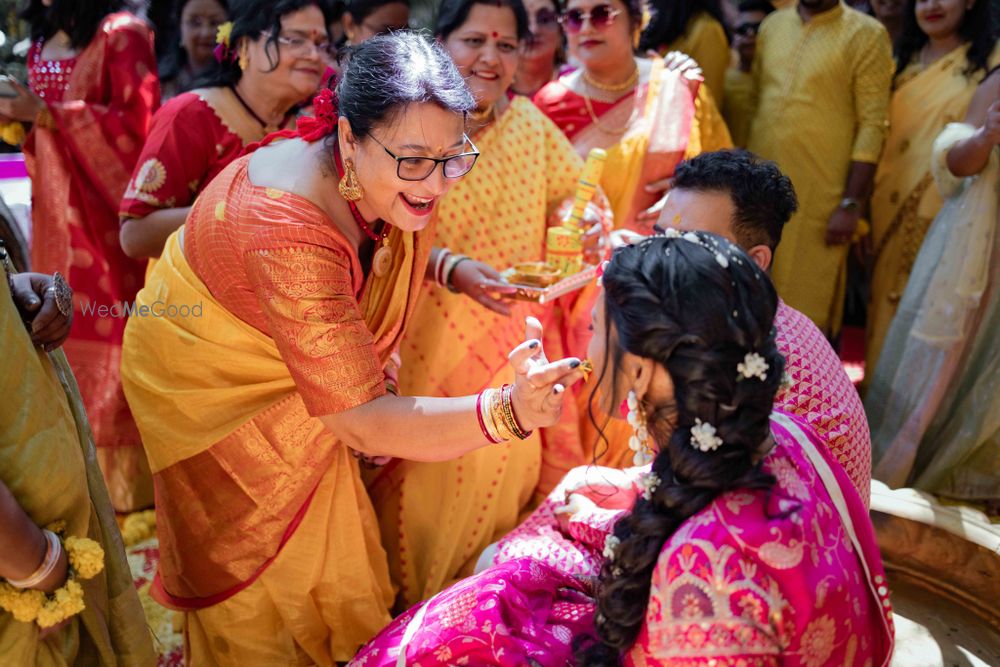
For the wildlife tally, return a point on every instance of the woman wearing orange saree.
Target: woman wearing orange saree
(92, 75)
(436, 518)
(648, 114)
(284, 297)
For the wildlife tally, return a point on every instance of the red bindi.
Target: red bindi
(496, 35)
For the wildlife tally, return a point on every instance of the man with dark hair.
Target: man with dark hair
(738, 104)
(822, 74)
(748, 200)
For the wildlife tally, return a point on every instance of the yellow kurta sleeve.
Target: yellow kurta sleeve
(873, 71)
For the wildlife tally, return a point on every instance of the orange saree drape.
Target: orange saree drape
(79, 168)
(267, 535)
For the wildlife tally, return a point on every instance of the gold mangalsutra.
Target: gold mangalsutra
(628, 84)
(597, 122)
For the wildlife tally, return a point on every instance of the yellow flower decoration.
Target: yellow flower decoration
(65, 602)
(138, 527)
(222, 35)
(86, 558)
(12, 133)
(85, 555)
(24, 606)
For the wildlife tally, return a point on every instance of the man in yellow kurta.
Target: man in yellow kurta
(822, 76)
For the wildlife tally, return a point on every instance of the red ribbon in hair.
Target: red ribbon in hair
(322, 123)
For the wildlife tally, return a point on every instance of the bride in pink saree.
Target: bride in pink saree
(742, 543)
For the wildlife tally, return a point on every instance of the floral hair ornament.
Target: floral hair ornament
(691, 237)
(611, 544)
(703, 437)
(752, 366)
(649, 482)
(222, 50)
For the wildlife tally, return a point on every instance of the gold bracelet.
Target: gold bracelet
(496, 416)
(44, 119)
(486, 402)
(510, 420)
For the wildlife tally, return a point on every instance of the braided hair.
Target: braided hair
(697, 305)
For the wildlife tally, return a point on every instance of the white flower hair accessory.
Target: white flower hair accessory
(753, 365)
(649, 482)
(703, 436)
(611, 544)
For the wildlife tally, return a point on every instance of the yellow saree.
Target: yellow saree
(267, 536)
(436, 518)
(47, 460)
(905, 200)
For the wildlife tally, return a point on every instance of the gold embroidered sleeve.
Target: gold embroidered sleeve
(306, 293)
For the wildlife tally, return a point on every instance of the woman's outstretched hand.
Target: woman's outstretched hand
(539, 385)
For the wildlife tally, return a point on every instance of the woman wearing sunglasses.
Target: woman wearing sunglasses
(494, 218)
(646, 113)
(273, 58)
(276, 311)
(543, 50)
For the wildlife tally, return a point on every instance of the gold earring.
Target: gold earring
(349, 186)
(639, 442)
(244, 61)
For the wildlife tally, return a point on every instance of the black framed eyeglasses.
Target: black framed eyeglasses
(411, 168)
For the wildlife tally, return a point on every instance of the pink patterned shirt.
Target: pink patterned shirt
(823, 396)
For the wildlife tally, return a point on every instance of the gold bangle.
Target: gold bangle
(496, 415)
(510, 420)
(489, 402)
(44, 119)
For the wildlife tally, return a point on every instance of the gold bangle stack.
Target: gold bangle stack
(498, 419)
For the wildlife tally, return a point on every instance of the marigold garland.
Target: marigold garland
(86, 560)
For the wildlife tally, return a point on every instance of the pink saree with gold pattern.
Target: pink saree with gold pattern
(788, 576)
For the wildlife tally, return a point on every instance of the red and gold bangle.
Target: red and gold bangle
(507, 410)
(485, 418)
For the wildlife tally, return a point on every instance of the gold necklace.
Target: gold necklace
(628, 84)
(602, 128)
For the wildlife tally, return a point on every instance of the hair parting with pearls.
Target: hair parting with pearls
(700, 307)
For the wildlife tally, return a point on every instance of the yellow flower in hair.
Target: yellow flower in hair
(222, 35)
(85, 555)
(12, 133)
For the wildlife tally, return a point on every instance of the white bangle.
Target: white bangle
(52, 552)
(443, 254)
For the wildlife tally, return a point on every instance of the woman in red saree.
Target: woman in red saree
(648, 114)
(92, 75)
(742, 544)
(304, 260)
(274, 57)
